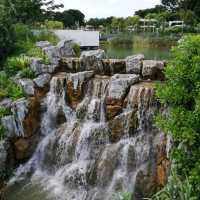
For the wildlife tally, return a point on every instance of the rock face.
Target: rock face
(134, 64)
(28, 86)
(42, 80)
(153, 70)
(95, 123)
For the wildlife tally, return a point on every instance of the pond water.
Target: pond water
(155, 48)
(149, 52)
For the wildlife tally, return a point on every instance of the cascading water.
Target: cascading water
(77, 157)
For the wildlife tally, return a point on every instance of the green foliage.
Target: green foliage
(181, 92)
(27, 73)
(4, 111)
(7, 35)
(8, 88)
(77, 50)
(45, 35)
(54, 24)
(176, 189)
(29, 11)
(70, 18)
(38, 53)
(15, 64)
(123, 196)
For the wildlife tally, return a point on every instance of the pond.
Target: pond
(154, 48)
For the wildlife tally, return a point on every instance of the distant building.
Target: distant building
(148, 24)
(176, 24)
(86, 39)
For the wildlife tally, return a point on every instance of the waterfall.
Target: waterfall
(77, 157)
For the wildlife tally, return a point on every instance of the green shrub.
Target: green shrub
(8, 88)
(27, 73)
(38, 53)
(45, 35)
(54, 24)
(4, 111)
(15, 64)
(181, 93)
(77, 49)
(176, 189)
(7, 36)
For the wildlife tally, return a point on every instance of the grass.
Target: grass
(8, 88)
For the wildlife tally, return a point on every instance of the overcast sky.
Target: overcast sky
(106, 8)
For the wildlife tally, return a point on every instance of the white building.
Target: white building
(81, 37)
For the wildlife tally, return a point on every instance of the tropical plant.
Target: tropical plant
(54, 24)
(15, 64)
(8, 88)
(181, 93)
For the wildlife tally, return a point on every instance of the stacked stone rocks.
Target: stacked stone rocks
(130, 79)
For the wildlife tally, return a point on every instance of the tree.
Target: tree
(181, 93)
(28, 11)
(157, 9)
(7, 34)
(186, 5)
(71, 18)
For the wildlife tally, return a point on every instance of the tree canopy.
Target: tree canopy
(70, 18)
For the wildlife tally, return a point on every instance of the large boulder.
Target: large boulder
(114, 66)
(92, 60)
(134, 64)
(27, 86)
(153, 70)
(42, 80)
(117, 91)
(65, 48)
(39, 68)
(6, 103)
(53, 54)
(75, 86)
(43, 44)
(119, 84)
(24, 121)
(93, 55)
(122, 125)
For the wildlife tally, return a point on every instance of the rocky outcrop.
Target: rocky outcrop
(42, 80)
(134, 64)
(94, 119)
(118, 89)
(38, 67)
(153, 70)
(27, 86)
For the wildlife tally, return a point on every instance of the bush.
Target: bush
(7, 37)
(38, 53)
(176, 189)
(8, 88)
(27, 73)
(181, 93)
(54, 24)
(77, 50)
(4, 111)
(45, 35)
(15, 64)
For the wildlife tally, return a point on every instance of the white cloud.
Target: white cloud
(106, 8)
